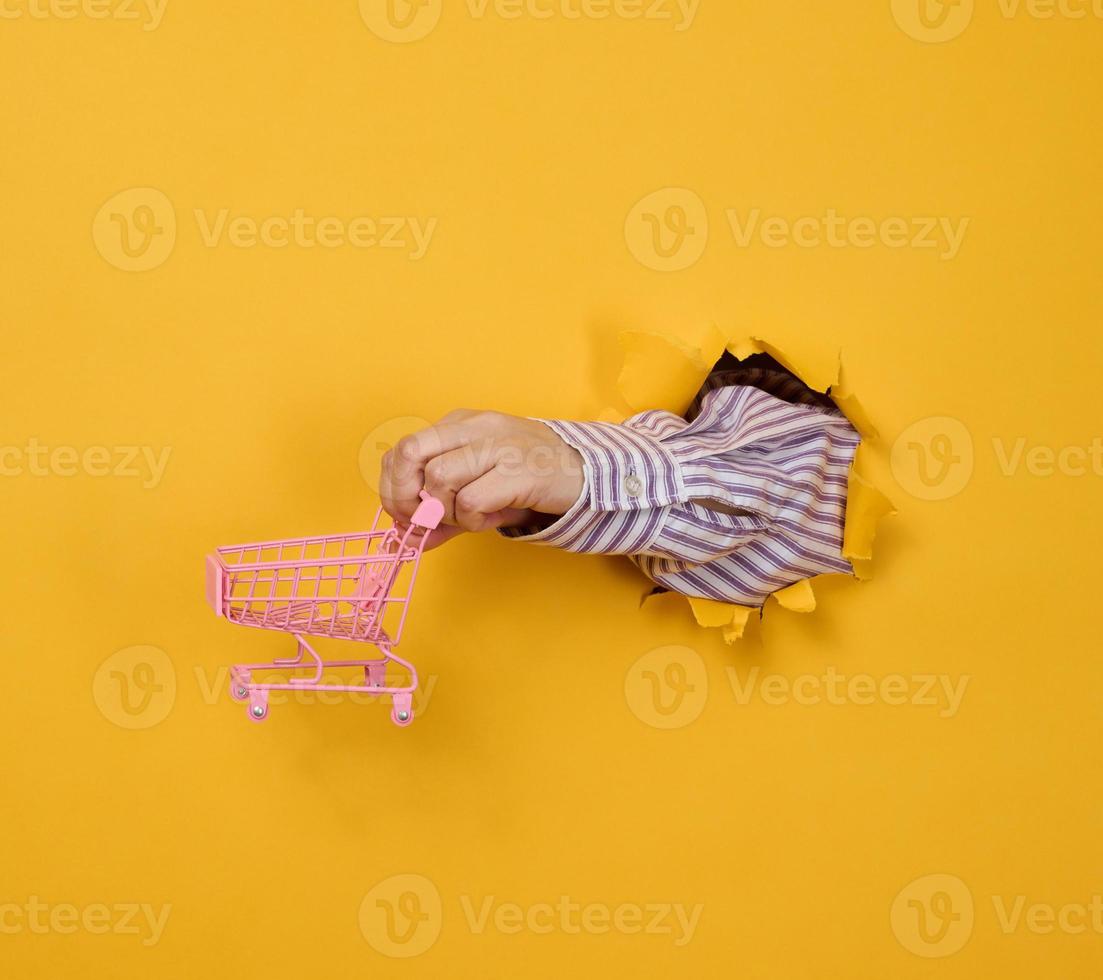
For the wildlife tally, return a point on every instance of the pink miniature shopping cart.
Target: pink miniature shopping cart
(344, 586)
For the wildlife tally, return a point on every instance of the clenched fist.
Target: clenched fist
(487, 468)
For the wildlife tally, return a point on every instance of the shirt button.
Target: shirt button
(633, 485)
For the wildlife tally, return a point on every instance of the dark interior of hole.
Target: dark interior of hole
(729, 362)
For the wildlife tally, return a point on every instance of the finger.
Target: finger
(402, 472)
(492, 500)
(447, 474)
(438, 536)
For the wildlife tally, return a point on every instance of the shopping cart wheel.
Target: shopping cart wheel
(258, 706)
(402, 717)
(402, 710)
(239, 683)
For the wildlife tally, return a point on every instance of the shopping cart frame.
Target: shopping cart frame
(361, 620)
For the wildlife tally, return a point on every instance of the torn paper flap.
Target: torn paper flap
(865, 506)
(665, 371)
(712, 613)
(734, 630)
(848, 404)
(798, 597)
(815, 364)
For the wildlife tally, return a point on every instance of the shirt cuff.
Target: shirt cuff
(565, 532)
(628, 478)
(625, 469)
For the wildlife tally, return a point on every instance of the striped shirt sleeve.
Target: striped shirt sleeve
(744, 496)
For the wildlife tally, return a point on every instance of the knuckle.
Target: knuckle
(467, 501)
(511, 461)
(435, 471)
(406, 450)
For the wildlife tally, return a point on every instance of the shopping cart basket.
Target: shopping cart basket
(344, 586)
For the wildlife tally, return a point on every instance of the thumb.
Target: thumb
(438, 536)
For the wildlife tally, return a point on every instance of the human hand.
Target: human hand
(488, 469)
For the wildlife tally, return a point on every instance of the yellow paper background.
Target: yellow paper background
(541, 766)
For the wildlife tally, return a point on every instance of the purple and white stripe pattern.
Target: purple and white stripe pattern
(744, 496)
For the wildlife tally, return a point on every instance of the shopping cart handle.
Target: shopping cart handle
(429, 513)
